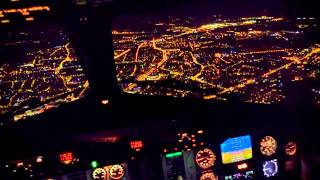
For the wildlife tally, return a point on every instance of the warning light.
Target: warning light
(242, 166)
(200, 132)
(66, 158)
(137, 145)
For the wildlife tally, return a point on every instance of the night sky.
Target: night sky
(226, 7)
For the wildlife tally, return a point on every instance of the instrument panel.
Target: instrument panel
(241, 157)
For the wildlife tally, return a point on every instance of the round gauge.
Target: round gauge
(99, 174)
(270, 168)
(208, 176)
(268, 146)
(291, 148)
(205, 158)
(116, 172)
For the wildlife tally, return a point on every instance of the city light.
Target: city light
(25, 11)
(187, 53)
(38, 65)
(173, 155)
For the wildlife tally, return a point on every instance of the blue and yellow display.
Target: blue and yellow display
(236, 149)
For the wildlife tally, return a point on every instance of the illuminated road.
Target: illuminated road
(145, 75)
(136, 58)
(122, 54)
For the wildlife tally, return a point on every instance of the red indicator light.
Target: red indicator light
(137, 145)
(66, 158)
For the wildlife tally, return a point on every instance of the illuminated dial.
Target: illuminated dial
(116, 172)
(205, 158)
(291, 148)
(268, 146)
(270, 168)
(99, 174)
(208, 176)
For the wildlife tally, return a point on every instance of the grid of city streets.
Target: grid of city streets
(250, 57)
(39, 71)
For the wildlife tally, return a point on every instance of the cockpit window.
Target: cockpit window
(214, 54)
(39, 69)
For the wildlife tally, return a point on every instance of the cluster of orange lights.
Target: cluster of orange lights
(23, 11)
(191, 138)
(188, 141)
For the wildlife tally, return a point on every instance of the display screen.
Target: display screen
(246, 50)
(39, 69)
(236, 149)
